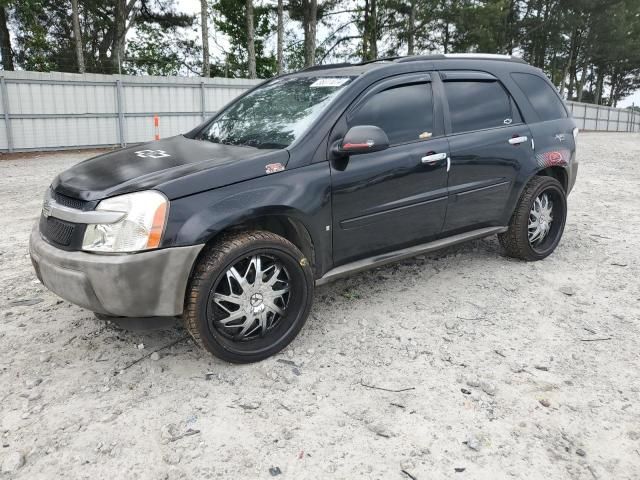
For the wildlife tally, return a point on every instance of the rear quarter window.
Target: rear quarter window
(542, 96)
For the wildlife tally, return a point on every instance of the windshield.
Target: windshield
(275, 115)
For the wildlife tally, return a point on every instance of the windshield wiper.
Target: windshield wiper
(271, 145)
(262, 145)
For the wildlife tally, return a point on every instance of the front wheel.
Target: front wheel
(537, 224)
(249, 296)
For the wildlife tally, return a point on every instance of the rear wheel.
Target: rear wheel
(249, 296)
(537, 224)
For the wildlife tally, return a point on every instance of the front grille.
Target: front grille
(70, 202)
(56, 230)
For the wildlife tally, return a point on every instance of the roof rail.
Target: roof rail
(327, 66)
(419, 58)
(383, 59)
(461, 56)
(485, 56)
(347, 64)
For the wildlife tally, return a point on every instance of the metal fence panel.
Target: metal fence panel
(141, 129)
(605, 119)
(51, 111)
(61, 132)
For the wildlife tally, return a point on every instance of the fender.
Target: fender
(526, 177)
(302, 195)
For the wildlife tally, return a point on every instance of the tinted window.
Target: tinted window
(541, 95)
(405, 113)
(476, 105)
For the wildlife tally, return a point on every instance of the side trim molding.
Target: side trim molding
(390, 257)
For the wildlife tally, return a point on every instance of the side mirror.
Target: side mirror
(363, 139)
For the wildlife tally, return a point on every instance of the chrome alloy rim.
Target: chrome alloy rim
(540, 219)
(251, 297)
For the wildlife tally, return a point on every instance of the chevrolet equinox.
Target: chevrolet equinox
(305, 178)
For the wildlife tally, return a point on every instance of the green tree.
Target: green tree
(158, 51)
(6, 51)
(230, 19)
(44, 38)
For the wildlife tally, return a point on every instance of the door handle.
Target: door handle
(517, 140)
(433, 158)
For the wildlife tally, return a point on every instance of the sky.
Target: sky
(193, 7)
(189, 6)
(632, 100)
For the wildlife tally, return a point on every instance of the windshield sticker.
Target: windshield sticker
(329, 82)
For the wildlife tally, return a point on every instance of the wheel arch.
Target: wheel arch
(283, 224)
(557, 172)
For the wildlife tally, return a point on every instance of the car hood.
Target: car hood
(177, 166)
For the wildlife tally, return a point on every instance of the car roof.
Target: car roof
(487, 61)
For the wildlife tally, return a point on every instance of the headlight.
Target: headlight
(140, 229)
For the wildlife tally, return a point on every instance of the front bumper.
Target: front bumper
(145, 284)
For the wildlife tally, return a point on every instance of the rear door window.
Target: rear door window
(404, 112)
(478, 105)
(541, 95)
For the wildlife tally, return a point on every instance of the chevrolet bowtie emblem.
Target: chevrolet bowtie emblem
(46, 208)
(152, 153)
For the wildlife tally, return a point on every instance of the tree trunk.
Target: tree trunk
(310, 25)
(251, 45)
(573, 80)
(582, 82)
(77, 36)
(599, 86)
(365, 37)
(510, 33)
(373, 31)
(204, 19)
(411, 34)
(280, 40)
(447, 34)
(120, 21)
(573, 67)
(5, 41)
(370, 33)
(568, 67)
(542, 52)
(615, 79)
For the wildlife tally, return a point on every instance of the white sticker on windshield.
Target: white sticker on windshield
(329, 82)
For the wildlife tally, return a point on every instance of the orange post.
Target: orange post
(156, 126)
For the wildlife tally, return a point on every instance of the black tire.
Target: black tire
(515, 241)
(202, 312)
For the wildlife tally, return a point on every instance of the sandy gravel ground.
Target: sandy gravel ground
(493, 368)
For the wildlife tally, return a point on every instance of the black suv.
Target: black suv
(305, 178)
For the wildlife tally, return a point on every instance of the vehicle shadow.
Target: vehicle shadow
(170, 334)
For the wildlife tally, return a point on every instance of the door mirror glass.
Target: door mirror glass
(363, 139)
